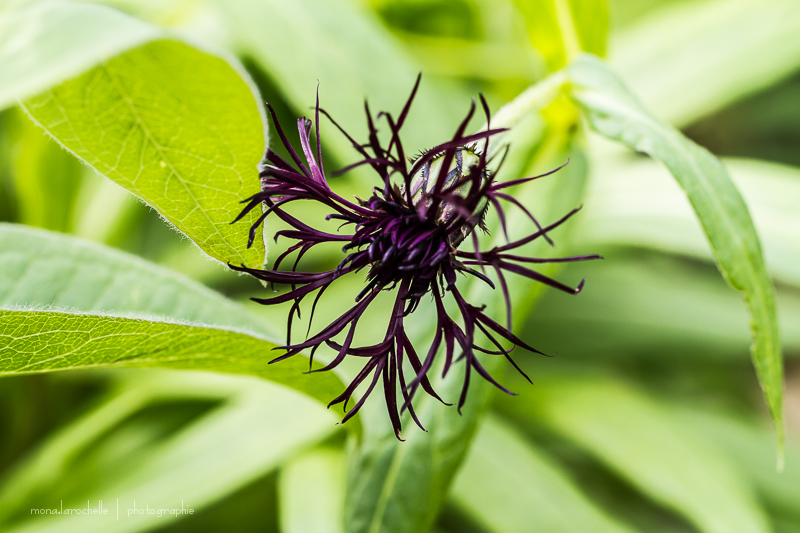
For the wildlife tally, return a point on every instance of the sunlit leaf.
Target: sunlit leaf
(41, 268)
(178, 127)
(43, 341)
(615, 113)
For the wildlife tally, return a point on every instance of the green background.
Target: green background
(651, 417)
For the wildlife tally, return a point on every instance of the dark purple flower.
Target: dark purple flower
(406, 234)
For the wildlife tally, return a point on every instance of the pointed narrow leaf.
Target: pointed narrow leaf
(614, 112)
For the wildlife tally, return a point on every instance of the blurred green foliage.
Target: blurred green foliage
(649, 419)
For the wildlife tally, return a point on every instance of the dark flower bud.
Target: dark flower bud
(406, 236)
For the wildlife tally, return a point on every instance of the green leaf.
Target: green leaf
(39, 268)
(615, 113)
(190, 467)
(689, 59)
(43, 341)
(507, 485)
(645, 444)
(560, 29)
(44, 42)
(311, 492)
(400, 487)
(178, 127)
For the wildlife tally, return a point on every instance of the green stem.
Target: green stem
(533, 99)
(566, 24)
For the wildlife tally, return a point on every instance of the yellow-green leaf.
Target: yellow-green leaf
(178, 127)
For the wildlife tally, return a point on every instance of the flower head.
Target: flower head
(407, 235)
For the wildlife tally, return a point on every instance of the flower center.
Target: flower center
(401, 245)
(456, 185)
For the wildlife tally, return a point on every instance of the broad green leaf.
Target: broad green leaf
(645, 444)
(687, 60)
(560, 29)
(628, 203)
(45, 177)
(44, 341)
(178, 127)
(400, 487)
(195, 466)
(44, 42)
(39, 268)
(614, 112)
(311, 492)
(508, 486)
